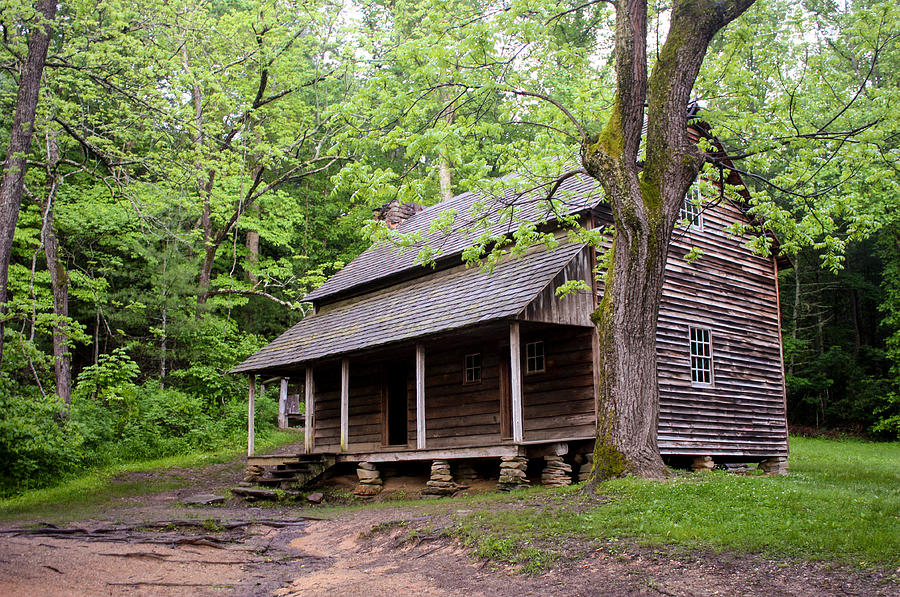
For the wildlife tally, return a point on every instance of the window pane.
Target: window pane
(701, 355)
(473, 368)
(534, 357)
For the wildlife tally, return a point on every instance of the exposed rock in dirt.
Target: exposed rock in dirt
(203, 499)
(255, 493)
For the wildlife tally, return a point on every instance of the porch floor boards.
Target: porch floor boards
(292, 452)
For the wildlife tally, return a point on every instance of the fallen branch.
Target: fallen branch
(166, 558)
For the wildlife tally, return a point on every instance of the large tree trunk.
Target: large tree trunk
(12, 180)
(445, 172)
(59, 283)
(645, 200)
(253, 249)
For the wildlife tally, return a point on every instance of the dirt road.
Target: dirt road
(368, 553)
(130, 548)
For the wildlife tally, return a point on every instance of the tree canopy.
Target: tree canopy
(196, 168)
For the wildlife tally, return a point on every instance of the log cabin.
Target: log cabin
(401, 362)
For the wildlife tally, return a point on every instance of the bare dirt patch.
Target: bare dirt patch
(372, 553)
(393, 550)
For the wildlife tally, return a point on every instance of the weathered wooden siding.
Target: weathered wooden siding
(733, 293)
(573, 309)
(364, 421)
(559, 403)
(327, 382)
(728, 291)
(457, 413)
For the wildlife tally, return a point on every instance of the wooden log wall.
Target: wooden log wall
(365, 421)
(327, 384)
(559, 403)
(456, 413)
(733, 293)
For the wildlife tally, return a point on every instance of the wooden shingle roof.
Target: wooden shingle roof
(437, 302)
(382, 261)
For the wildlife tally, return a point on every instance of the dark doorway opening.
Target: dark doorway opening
(397, 404)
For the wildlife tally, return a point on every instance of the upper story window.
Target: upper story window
(701, 356)
(691, 215)
(473, 368)
(534, 357)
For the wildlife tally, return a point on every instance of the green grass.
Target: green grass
(841, 502)
(87, 495)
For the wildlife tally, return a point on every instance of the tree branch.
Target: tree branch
(252, 292)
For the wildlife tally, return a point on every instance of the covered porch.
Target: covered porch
(496, 390)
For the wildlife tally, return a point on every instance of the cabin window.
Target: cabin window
(473, 368)
(691, 214)
(701, 356)
(534, 357)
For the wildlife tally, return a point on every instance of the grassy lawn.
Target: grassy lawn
(88, 494)
(841, 502)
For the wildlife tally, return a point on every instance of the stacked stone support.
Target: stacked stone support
(466, 474)
(703, 463)
(513, 473)
(253, 473)
(370, 482)
(584, 471)
(441, 481)
(774, 466)
(556, 473)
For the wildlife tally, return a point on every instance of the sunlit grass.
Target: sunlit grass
(841, 502)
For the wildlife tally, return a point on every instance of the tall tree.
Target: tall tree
(59, 279)
(645, 200)
(12, 180)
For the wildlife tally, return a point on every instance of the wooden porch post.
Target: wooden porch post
(515, 381)
(420, 396)
(282, 404)
(345, 403)
(310, 426)
(251, 416)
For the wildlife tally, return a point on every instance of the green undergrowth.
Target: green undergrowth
(88, 494)
(841, 502)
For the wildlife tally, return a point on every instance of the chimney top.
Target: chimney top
(395, 213)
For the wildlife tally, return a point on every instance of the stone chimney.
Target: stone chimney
(395, 213)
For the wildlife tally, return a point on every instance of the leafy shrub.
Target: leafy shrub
(114, 419)
(36, 448)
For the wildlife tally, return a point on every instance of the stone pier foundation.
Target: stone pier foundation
(774, 466)
(556, 473)
(703, 463)
(584, 471)
(441, 481)
(466, 474)
(513, 473)
(370, 482)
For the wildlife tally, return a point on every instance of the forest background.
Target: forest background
(198, 167)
